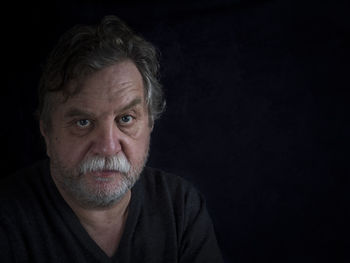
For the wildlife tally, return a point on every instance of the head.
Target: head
(99, 96)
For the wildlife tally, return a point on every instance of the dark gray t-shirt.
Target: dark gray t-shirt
(167, 222)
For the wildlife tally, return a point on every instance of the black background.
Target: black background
(257, 112)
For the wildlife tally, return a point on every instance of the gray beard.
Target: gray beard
(73, 184)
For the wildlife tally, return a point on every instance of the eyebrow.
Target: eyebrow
(132, 104)
(74, 112)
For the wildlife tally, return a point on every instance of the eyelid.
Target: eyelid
(76, 122)
(126, 123)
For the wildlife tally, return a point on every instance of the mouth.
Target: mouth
(104, 174)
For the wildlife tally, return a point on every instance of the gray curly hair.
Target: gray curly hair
(83, 50)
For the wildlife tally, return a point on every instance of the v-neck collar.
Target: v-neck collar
(124, 249)
(79, 232)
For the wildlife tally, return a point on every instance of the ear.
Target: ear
(44, 133)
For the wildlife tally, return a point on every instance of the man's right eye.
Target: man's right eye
(84, 123)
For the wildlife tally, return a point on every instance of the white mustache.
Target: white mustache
(118, 163)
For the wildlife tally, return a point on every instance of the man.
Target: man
(93, 200)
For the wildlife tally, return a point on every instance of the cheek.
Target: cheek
(67, 152)
(136, 149)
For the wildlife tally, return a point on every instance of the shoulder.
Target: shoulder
(23, 179)
(156, 180)
(163, 188)
(21, 188)
(156, 176)
(182, 206)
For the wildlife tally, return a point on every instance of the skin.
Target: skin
(108, 116)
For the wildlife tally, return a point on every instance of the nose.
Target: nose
(107, 140)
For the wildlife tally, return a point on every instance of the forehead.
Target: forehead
(116, 85)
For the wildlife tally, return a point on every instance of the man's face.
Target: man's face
(107, 119)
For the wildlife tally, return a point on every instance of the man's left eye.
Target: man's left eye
(126, 119)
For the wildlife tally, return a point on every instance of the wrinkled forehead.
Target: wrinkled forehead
(114, 84)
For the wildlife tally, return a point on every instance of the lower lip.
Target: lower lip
(104, 174)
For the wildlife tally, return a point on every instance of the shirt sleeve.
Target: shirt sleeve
(5, 247)
(199, 242)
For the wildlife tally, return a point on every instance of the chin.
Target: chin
(102, 192)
